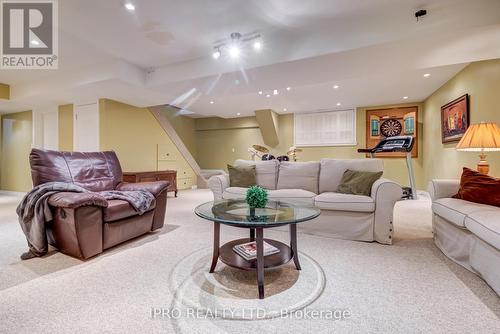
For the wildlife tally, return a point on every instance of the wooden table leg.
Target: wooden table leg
(260, 261)
(215, 256)
(252, 234)
(293, 245)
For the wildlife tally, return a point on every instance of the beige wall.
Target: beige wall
(481, 80)
(4, 91)
(216, 139)
(66, 127)
(134, 134)
(17, 130)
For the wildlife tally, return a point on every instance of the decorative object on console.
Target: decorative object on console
(392, 122)
(153, 176)
(479, 188)
(455, 119)
(481, 137)
(256, 197)
(241, 176)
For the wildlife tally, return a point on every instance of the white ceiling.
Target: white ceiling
(161, 53)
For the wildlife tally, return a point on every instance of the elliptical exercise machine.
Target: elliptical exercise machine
(397, 144)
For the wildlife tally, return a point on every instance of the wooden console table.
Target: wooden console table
(162, 175)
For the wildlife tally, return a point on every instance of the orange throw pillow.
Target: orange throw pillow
(479, 188)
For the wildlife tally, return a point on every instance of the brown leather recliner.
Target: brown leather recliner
(85, 224)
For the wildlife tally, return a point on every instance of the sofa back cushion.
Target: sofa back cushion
(94, 171)
(332, 171)
(299, 175)
(266, 172)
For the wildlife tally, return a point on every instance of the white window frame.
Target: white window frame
(299, 117)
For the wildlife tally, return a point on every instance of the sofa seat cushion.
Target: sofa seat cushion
(293, 196)
(344, 202)
(456, 210)
(485, 224)
(118, 209)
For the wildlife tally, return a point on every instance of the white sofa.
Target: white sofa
(353, 217)
(466, 232)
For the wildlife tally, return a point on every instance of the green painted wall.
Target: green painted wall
(17, 132)
(481, 80)
(185, 128)
(66, 127)
(4, 91)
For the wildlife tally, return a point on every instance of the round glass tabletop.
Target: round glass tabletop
(238, 213)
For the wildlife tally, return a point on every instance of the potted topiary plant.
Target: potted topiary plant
(256, 197)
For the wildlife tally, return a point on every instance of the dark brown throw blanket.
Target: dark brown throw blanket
(34, 212)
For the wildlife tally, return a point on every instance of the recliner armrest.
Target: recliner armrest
(155, 188)
(73, 200)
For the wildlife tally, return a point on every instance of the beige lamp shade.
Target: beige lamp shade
(480, 137)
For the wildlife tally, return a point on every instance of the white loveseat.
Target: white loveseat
(466, 232)
(353, 217)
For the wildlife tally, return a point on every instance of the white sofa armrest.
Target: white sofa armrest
(218, 183)
(443, 188)
(385, 193)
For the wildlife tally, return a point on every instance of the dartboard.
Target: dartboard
(391, 128)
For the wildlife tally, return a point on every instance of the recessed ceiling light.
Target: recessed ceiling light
(212, 102)
(35, 42)
(336, 87)
(405, 97)
(257, 45)
(338, 104)
(284, 109)
(275, 92)
(234, 51)
(216, 54)
(426, 75)
(268, 95)
(238, 114)
(130, 6)
(288, 88)
(260, 92)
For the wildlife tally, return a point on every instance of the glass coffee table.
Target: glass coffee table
(237, 213)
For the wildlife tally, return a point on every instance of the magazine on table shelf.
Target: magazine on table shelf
(248, 250)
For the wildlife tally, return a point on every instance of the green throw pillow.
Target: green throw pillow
(358, 183)
(241, 176)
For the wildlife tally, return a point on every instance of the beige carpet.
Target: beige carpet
(409, 287)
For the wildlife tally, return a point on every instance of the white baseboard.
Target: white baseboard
(12, 193)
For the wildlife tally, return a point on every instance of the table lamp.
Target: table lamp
(482, 137)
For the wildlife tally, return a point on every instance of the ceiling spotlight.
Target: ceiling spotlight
(288, 88)
(35, 42)
(234, 51)
(405, 97)
(212, 102)
(285, 109)
(426, 75)
(268, 95)
(129, 6)
(275, 92)
(257, 45)
(238, 114)
(260, 92)
(336, 87)
(216, 54)
(338, 104)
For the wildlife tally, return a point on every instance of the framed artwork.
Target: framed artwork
(390, 122)
(455, 119)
